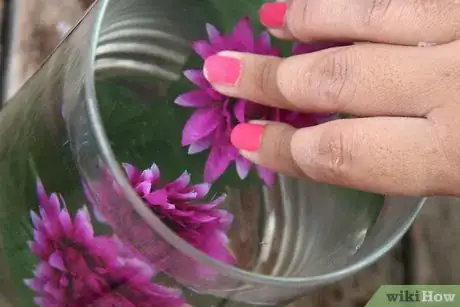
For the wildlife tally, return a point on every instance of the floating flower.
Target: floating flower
(180, 206)
(78, 268)
(209, 127)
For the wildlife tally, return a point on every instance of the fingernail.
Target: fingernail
(247, 136)
(272, 14)
(222, 69)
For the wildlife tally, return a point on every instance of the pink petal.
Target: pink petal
(184, 196)
(239, 110)
(147, 175)
(144, 188)
(157, 197)
(57, 262)
(218, 161)
(200, 145)
(196, 76)
(203, 218)
(155, 172)
(36, 220)
(54, 291)
(243, 166)
(213, 33)
(53, 206)
(267, 175)
(200, 124)
(83, 230)
(225, 218)
(41, 193)
(203, 49)
(66, 222)
(215, 246)
(263, 42)
(131, 171)
(202, 189)
(195, 99)
(181, 182)
(34, 284)
(243, 33)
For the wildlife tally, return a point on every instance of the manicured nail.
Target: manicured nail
(222, 69)
(272, 14)
(247, 136)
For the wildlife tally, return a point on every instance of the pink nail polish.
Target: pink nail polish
(247, 136)
(222, 69)
(272, 14)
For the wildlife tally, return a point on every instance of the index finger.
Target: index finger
(338, 80)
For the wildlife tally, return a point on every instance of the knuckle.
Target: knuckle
(331, 80)
(302, 16)
(446, 155)
(264, 79)
(376, 13)
(332, 157)
(282, 146)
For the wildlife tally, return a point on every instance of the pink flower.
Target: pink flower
(78, 268)
(209, 127)
(180, 206)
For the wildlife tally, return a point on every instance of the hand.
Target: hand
(405, 138)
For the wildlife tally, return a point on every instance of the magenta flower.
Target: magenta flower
(78, 268)
(209, 127)
(181, 207)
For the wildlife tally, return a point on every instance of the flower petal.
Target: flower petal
(243, 166)
(36, 220)
(41, 193)
(57, 262)
(267, 175)
(200, 145)
(143, 188)
(181, 182)
(83, 230)
(195, 99)
(218, 161)
(158, 197)
(66, 222)
(196, 76)
(243, 34)
(263, 42)
(213, 33)
(239, 110)
(155, 173)
(203, 49)
(131, 171)
(53, 206)
(200, 124)
(202, 189)
(203, 217)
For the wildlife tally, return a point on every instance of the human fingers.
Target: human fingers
(364, 80)
(400, 156)
(385, 21)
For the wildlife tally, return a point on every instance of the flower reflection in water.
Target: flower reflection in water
(78, 268)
